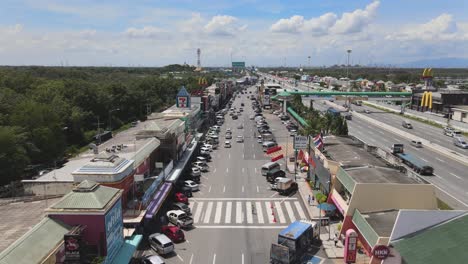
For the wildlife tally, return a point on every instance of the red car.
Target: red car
(181, 198)
(174, 233)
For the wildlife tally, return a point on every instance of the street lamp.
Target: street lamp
(110, 117)
(347, 67)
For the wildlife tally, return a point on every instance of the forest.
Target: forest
(48, 114)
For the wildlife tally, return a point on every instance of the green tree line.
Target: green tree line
(48, 113)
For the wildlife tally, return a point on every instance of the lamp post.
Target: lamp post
(110, 117)
(347, 67)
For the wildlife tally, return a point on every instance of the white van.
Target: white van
(161, 243)
(270, 166)
(268, 144)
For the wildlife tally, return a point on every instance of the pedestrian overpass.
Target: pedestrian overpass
(386, 95)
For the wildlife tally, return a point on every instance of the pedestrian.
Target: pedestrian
(313, 200)
(308, 199)
(335, 239)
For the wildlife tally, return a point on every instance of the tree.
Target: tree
(13, 154)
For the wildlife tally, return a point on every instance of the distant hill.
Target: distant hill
(437, 63)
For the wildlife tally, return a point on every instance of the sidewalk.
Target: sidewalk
(327, 233)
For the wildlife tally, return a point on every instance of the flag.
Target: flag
(318, 141)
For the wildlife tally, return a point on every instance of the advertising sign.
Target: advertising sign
(72, 248)
(182, 102)
(279, 253)
(300, 142)
(381, 251)
(350, 249)
(114, 231)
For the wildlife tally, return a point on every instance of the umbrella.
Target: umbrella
(326, 207)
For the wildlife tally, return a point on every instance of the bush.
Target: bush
(320, 197)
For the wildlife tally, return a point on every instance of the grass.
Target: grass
(442, 205)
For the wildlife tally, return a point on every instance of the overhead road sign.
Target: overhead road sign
(238, 64)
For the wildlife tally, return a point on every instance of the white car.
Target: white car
(228, 136)
(204, 151)
(240, 139)
(195, 172)
(202, 166)
(192, 185)
(179, 218)
(228, 130)
(241, 126)
(251, 117)
(153, 259)
(227, 144)
(208, 146)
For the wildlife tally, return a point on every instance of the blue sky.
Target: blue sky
(155, 33)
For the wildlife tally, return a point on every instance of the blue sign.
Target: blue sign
(114, 231)
(183, 98)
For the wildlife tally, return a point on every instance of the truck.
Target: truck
(271, 176)
(293, 242)
(418, 165)
(285, 186)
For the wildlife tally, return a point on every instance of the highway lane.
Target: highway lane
(227, 229)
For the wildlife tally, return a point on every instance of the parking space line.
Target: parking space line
(257, 189)
(214, 171)
(209, 189)
(208, 213)
(191, 259)
(242, 258)
(242, 188)
(224, 188)
(456, 176)
(214, 258)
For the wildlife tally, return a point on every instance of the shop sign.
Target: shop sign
(300, 142)
(350, 249)
(72, 248)
(381, 251)
(114, 231)
(324, 221)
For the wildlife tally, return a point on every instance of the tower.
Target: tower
(198, 60)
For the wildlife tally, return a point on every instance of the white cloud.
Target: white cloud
(144, 32)
(441, 28)
(357, 20)
(89, 10)
(294, 24)
(328, 23)
(223, 25)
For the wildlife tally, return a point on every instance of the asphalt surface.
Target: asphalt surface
(226, 228)
(450, 176)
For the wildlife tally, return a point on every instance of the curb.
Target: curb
(441, 150)
(304, 200)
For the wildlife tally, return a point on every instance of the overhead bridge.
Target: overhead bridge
(368, 94)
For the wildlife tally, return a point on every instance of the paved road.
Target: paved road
(449, 175)
(227, 227)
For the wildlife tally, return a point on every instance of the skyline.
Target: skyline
(123, 33)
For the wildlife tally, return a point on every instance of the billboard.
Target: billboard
(72, 248)
(114, 231)
(238, 64)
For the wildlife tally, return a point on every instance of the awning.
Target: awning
(158, 199)
(128, 248)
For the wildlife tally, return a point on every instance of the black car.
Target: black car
(284, 118)
(207, 156)
(234, 117)
(242, 104)
(272, 175)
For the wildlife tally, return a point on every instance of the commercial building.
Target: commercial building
(460, 113)
(85, 224)
(438, 101)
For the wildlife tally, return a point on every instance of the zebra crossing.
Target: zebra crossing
(246, 211)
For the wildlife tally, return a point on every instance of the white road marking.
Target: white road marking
(439, 160)
(242, 258)
(229, 155)
(181, 259)
(242, 227)
(269, 212)
(205, 177)
(219, 209)
(239, 219)
(242, 188)
(247, 199)
(198, 212)
(214, 170)
(208, 213)
(424, 159)
(227, 219)
(254, 155)
(191, 259)
(249, 212)
(274, 195)
(243, 156)
(257, 189)
(259, 211)
(299, 210)
(227, 170)
(290, 212)
(454, 175)
(279, 210)
(255, 170)
(214, 258)
(437, 176)
(191, 206)
(380, 132)
(243, 170)
(209, 190)
(224, 188)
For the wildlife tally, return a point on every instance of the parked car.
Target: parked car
(174, 233)
(181, 206)
(204, 151)
(195, 172)
(228, 136)
(285, 117)
(234, 117)
(181, 198)
(208, 146)
(207, 156)
(251, 117)
(179, 218)
(240, 139)
(151, 259)
(161, 243)
(227, 144)
(201, 165)
(241, 126)
(192, 185)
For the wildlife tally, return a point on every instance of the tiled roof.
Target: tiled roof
(445, 243)
(36, 244)
(88, 195)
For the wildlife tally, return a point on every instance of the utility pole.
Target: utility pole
(98, 131)
(308, 64)
(347, 68)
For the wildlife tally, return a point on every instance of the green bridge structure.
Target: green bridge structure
(362, 94)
